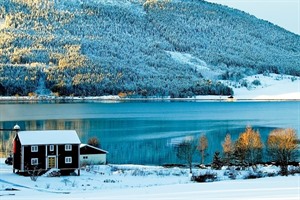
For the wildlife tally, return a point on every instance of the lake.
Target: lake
(146, 132)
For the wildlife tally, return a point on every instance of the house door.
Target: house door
(51, 162)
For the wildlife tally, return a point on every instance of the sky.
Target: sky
(284, 13)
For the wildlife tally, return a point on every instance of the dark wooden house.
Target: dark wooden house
(45, 150)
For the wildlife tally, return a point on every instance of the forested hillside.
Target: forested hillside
(174, 48)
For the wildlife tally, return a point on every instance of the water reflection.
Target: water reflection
(145, 133)
(142, 142)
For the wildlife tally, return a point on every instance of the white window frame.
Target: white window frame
(68, 160)
(34, 148)
(34, 161)
(51, 147)
(68, 147)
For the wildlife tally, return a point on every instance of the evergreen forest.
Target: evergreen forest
(138, 48)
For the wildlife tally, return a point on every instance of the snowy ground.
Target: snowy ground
(147, 182)
(274, 86)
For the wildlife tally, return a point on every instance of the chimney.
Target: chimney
(16, 128)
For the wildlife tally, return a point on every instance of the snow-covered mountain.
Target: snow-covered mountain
(174, 48)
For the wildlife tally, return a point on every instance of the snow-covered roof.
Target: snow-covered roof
(16, 127)
(87, 145)
(48, 137)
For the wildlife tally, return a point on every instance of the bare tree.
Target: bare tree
(202, 147)
(248, 147)
(34, 174)
(94, 141)
(186, 151)
(228, 150)
(6, 146)
(282, 147)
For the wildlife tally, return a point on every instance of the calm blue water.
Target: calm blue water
(146, 132)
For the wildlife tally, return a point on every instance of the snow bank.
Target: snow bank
(272, 87)
(147, 182)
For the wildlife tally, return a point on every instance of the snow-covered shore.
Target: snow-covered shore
(272, 87)
(148, 182)
(277, 87)
(274, 188)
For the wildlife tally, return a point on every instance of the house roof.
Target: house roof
(48, 137)
(90, 146)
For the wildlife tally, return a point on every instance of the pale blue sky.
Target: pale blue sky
(284, 13)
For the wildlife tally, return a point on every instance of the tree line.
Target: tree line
(281, 148)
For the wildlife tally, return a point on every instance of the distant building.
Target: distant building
(46, 149)
(231, 98)
(92, 155)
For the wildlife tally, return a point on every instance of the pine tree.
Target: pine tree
(217, 162)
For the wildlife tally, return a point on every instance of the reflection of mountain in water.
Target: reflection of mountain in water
(127, 145)
(41, 89)
(145, 133)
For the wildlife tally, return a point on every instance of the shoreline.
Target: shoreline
(150, 182)
(271, 88)
(116, 99)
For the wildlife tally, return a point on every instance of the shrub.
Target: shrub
(254, 175)
(207, 177)
(256, 82)
(231, 173)
(139, 172)
(294, 170)
(35, 173)
(271, 174)
(110, 181)
(94, 141)
(65, 181)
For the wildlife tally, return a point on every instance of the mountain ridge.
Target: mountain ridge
(92, 48)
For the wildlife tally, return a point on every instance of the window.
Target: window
(68, 147)
(34, 149)
(68, 159)
(34, 161)
(51, 147)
